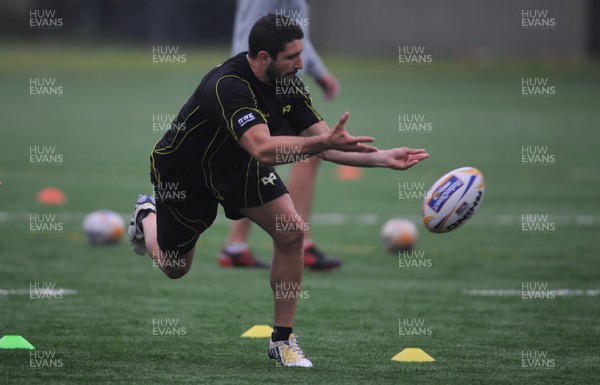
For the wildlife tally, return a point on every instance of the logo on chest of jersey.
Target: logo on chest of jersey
(287, 108)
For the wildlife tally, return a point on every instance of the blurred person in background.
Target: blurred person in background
(301, 183)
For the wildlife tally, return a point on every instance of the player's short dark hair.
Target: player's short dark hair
(271, 33)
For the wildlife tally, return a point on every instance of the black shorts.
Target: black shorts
(184, 209)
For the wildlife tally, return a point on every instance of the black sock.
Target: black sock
(280, 333)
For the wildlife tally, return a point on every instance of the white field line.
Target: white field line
(342, 219)
(38, 292)
(519, 293)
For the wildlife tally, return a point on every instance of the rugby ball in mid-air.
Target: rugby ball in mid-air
(103, 227)
(453, 199)
(399, 234)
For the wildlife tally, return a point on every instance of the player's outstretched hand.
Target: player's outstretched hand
(340, 139)
(403, 157)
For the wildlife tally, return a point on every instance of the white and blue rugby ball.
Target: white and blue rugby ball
(453, 199)
(103, 227)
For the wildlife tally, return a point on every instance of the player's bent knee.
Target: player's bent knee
(290, 239)
(175, 265)
(176, 273)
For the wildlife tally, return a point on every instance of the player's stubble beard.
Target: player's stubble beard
(273, 74)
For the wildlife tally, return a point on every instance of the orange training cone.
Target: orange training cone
(51, 196)
(348, 173)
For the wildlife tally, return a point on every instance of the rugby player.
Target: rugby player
(221, 150)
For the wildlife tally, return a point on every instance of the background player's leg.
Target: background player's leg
(301, 185)
(239, 230)
(173, 266)
(236, 251)
(288, 264)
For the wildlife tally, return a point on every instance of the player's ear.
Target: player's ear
(264, 57)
